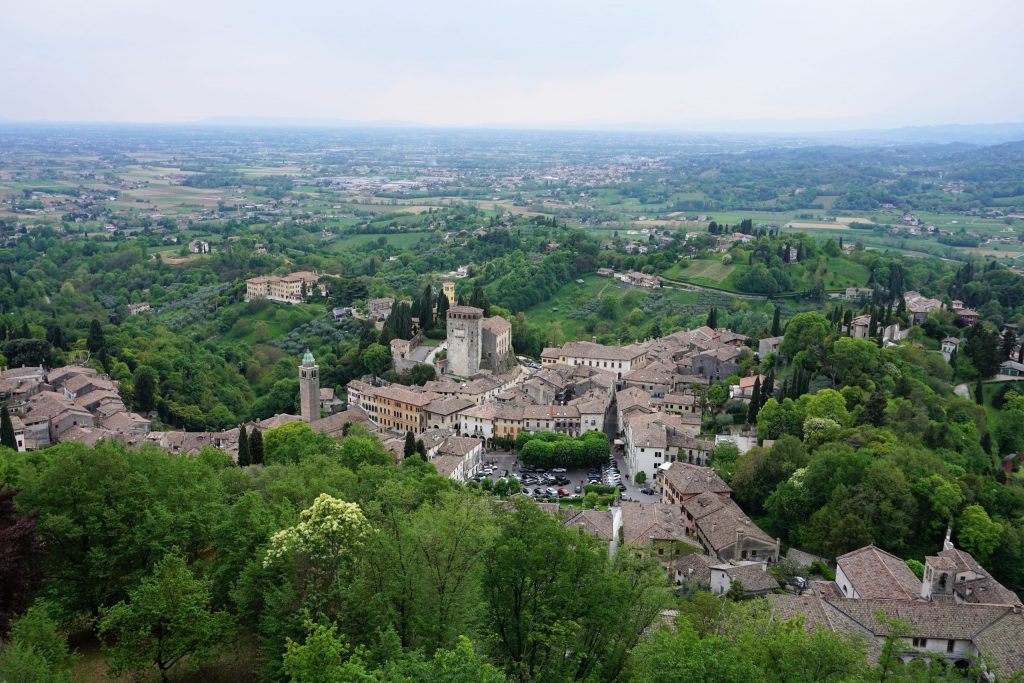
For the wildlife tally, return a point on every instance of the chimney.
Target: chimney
(1017, 608)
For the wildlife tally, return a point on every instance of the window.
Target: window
(920, 642)
(949, 645)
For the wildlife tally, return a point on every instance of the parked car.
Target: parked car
(559, 470)
(578, 489)
(622, 487)
(563, 492)
(647, 490)
(551, 492)
(525, 490)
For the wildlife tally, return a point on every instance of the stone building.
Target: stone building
(309, 388)
(497, 344)
(465, 329)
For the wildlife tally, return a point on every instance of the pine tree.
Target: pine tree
(244, 458)
(7, 430)
(256, 446)
(777, 322)
(410, 445)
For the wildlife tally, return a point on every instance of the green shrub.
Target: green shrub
(819, 567)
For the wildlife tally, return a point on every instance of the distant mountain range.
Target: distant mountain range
(973, 134)
(289, 122)
(979, 134)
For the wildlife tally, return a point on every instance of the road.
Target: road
(430, 356)
(964, 391)
(676, 284)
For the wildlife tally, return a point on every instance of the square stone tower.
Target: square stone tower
(465, 325)
(448, 287)
(309, 388)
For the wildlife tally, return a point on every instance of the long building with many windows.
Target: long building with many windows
(292, 289)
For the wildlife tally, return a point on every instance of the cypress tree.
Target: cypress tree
(1009, 341)
(256, 446)
(244, 458)
(874, 409)
(410, 445)
(768, 388)
(755, 399)
(979, 395)
(776, 323)
(1020, 354)
(427, 308)
(7, 430)
(712, 321)
(96, 340)
(421, 449)
(442, 309)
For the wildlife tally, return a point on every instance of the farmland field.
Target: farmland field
(400, 240)
(705, 269)
(603, 306)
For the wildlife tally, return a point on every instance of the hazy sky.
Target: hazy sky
(684, 64)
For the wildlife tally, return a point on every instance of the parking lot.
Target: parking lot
(500, 461)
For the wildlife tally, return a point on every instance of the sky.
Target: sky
(703, 65)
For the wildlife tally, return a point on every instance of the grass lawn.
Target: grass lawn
(271, 320)
(989, 390)
(572, 297)
(705, 269)
(401, 240)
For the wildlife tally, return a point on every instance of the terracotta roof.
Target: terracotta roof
(595, 522)
(459, 445)
(397, 392)
(447, 405)
(646, 522)
(466, 310)
(689, 479)
(1000, 641)
(695, 566)
(497, 325)
(752, 575)
(335, 424)
(446, 464)
(874, 573)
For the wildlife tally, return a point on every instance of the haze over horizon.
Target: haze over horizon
(757, 66)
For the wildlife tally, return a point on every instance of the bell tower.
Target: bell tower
(309, 388)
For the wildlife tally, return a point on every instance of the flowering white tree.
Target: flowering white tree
(324, 541)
